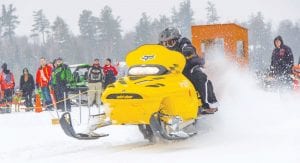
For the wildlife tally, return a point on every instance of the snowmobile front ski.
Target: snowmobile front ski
(66, 124)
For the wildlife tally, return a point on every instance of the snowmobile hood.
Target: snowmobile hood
(156, 55)
(280, 39)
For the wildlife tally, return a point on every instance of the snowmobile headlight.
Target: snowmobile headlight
(144, 70)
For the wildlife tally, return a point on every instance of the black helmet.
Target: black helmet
(170, 33)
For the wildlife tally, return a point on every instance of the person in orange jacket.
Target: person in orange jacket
(43, 76)
(7, 83)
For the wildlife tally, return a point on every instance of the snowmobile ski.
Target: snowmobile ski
(66, 124)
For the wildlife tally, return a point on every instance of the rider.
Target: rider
(172, 39)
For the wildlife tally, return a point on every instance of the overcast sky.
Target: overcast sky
(130, 10)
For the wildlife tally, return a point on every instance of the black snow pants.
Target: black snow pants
(28, 98)
(61, 92)
(203, 86)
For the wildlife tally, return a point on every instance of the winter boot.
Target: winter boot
(208, 108)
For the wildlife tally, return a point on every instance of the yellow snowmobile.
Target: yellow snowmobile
(155, 95)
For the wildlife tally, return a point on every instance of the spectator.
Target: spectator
(282, 62)
(95, 80)
(7, 83)
(110, 73)
(43, 75)
(27, 87)
(61, 77)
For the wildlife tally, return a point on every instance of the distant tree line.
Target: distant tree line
(261, 39)
(101, 36)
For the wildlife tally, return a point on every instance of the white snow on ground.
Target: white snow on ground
(251, 126)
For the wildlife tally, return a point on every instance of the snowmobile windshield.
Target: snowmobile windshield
(77, 67)
(144, 70)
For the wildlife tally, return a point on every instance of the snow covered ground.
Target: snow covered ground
(251, 126)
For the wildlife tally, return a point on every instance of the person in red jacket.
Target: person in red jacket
(7, 83)
(43, 76)
(110, 73)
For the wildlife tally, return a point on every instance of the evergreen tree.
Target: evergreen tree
(9, 21)
(110, 33)
(144, 31)
(1, 24)
(183, 18)
(290, 33)
(260, 42)
(61, 43)
(88, 25)
(60, 31)
(127, 44)
(41, 25)
(160, 24)
(212, 16)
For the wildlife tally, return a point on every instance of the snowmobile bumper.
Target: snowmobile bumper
(159, 131)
